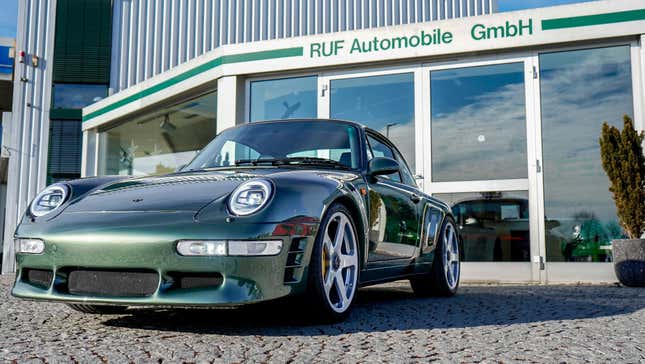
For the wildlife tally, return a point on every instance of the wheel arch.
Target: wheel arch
(356, 206)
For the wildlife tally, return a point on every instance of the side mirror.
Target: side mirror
(381, 166)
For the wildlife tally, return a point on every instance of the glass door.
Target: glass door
(481, 159)
(384, 100)
(579, 90)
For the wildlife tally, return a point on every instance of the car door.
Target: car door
(393, 210)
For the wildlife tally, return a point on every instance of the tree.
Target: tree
(623, 161)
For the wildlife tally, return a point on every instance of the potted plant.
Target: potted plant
(624, 162)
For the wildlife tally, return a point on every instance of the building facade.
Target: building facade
(85, 50)
(498, 114)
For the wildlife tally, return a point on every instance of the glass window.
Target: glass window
(77, 96)
(379, 149)
(406, 175)
(580, 90)
(494, 225)
(286, 98)
(267, 141)
(159, 142)
(65, 145)
(383, 103)
(478, 123)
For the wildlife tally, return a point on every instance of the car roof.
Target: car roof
(279, 121)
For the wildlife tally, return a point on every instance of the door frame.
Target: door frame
(324, 100)
(497, 271)
(586, 271)
(538, 270)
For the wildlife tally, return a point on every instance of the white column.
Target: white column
(89, 157)
(639, 84)
(230, 102)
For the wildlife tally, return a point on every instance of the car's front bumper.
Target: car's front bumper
(135, 247)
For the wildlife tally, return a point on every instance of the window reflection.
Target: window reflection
(383, 103)
(478, 123)
(581, 89)
(287, 98)
(494, 225)
(77, 96)
(160, 142)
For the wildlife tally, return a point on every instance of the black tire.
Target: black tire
(316, 295)
(98, 309)
(435, 282)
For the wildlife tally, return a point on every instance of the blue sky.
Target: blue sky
(8, 18)
(510, 5)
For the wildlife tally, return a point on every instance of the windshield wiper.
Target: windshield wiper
(292, 160)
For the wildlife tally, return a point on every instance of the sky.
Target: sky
(510, 5)
(8, 18)
(9, 11)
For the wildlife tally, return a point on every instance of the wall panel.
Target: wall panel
(185, 29)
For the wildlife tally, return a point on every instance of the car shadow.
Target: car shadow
(394, 307)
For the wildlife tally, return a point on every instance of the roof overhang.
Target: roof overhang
(502, 31)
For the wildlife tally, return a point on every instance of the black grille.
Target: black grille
(294, 268)
(112, 283)
(38, 277)
(196, 280)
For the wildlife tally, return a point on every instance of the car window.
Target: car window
(334, 141)
(343, 155)
(379, 149)
(231, 148)
(406, 175)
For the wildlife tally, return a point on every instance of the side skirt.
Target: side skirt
(372, 276)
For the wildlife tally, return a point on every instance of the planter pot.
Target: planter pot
(629, 261)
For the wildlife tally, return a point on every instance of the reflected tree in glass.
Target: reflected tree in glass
(579, 90)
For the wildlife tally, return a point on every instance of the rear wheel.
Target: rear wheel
(98, 309)
(333, 268)
(443, 278)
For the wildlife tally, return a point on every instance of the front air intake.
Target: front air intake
(109, 283)
(38, 277)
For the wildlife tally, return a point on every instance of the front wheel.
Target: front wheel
(443, 278)
(334, 265)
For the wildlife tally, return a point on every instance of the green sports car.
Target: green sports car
(315, 208)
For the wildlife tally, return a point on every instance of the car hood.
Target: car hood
(175, 192)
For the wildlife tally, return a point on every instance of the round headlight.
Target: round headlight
(250, 197)
(49, 200)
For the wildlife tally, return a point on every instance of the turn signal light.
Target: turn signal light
(229, 247)
(29, 246)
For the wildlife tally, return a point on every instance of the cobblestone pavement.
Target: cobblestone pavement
(482, 323)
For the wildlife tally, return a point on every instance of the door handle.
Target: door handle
(415, 198)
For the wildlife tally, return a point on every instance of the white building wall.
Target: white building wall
(29, 138)
(152, 36)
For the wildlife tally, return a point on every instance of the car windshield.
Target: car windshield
(329, 144)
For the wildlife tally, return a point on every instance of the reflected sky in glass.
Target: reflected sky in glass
(383, 103)
(580, 90)
(478, 123)
(286, 98)
(77, 96)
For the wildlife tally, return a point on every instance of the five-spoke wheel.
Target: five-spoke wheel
(443, 278)
(334, 266)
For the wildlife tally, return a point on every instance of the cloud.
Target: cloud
(579, 90)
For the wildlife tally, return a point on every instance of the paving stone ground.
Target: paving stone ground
(489, 323)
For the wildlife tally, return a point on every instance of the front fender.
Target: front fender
(79, 188)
